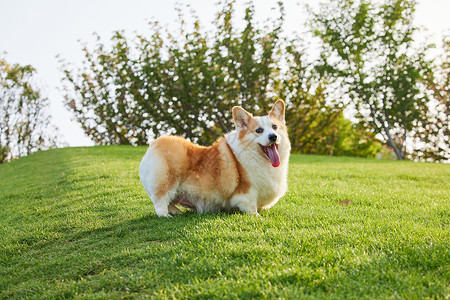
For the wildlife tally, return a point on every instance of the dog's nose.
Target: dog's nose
(272, 138)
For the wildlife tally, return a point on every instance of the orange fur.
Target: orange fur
(213, 168)
(251, 127)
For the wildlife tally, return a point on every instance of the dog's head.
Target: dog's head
(267, 135)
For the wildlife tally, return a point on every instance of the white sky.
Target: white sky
(35, 31)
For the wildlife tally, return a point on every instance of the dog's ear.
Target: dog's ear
(241, 117)
(278, 110)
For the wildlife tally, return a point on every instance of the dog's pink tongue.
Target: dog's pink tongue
(273, 155)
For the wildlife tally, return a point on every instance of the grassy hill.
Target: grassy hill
(76, 222)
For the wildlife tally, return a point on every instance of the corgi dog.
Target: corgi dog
(244, 171)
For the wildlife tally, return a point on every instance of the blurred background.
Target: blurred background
(360, 78)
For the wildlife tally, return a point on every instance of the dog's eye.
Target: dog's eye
(274, 126)
(259, 130)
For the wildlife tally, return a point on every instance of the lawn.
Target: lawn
(76, 222)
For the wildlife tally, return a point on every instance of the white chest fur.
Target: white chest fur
(269, 183)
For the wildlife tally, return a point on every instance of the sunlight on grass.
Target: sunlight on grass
(77, 222)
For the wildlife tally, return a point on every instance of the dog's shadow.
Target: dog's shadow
(148, 246)
(152, 228)
(164, 243)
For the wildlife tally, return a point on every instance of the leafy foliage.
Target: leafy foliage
(433, 133)
(368, 51)
(24, 121)
(353, 140)
(186, 83)
(316, 124)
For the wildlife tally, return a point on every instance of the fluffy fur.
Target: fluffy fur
(246, 170)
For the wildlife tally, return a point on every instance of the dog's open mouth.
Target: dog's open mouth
(272, 153)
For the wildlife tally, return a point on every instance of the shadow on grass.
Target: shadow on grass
(151, 249)
(174, 256)
(150, 227)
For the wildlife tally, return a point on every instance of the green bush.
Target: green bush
(186, 83)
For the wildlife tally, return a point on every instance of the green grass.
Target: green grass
(76, 222)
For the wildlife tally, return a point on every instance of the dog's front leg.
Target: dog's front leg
(246, 203)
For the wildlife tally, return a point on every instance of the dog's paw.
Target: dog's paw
(166, 216)
(254, 213)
